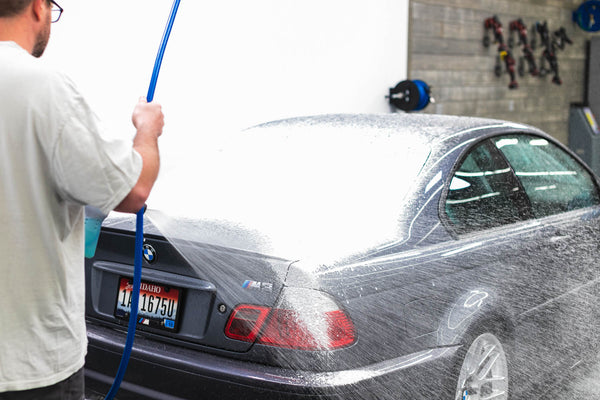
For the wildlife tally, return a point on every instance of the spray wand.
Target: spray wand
(94, 218)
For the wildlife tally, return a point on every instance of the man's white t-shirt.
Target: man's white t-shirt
(53, 161)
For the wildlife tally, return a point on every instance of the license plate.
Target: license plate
(159, 305)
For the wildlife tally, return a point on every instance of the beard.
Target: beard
(41, 41)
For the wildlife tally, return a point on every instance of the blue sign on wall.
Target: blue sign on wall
(587, 16)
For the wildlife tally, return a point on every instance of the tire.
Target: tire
(484, 371)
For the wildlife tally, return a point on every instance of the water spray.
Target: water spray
(94, 218)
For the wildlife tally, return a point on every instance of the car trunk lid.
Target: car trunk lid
(199, 289)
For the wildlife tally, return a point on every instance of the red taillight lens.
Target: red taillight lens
(304, 319)
(245, 322)
(328, 331)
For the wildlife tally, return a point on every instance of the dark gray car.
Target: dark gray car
(358, 257)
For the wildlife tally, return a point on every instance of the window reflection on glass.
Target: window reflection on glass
(553, 180)
(482, 192)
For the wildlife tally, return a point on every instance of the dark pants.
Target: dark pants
(71, 388)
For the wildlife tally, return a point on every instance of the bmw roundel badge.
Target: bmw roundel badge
(149, 253)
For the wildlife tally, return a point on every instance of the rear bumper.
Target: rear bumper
(164, 371)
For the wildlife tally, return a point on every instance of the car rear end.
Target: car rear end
(195, 340)
(267, 340)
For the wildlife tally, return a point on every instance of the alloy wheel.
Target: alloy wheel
(484, 372)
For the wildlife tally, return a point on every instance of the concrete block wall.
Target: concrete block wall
(446, 51)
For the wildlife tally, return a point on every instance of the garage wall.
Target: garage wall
(446, 51)
(233, 64)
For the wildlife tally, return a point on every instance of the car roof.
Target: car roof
(430, 128)
(313, 140)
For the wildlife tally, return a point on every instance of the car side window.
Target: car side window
(552, 179)
(482, 192)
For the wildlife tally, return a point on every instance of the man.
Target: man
(53, 162)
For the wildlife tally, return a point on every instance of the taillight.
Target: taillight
(245, 322)
(304, 319)
(328, 331)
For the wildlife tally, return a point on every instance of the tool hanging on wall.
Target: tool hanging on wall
(533, 40)
(561, 39)
(505, 54)
(550, 43)
(412, 95)
(520, 27)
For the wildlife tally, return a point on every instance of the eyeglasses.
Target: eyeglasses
(56, 11)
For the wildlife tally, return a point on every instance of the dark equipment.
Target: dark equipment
(584, 131)
(561, 39)
(533, 41)
(549, 54)
(592, 92)
(584, 136)
(505, 54)
(520, 27)
(410, 95)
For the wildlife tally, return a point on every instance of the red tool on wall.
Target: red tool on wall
(520, 27)
(505, 54)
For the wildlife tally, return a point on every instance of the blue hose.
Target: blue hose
(135, 298)
(139, 233)
(161, 51)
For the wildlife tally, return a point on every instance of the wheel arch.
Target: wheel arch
(475, 311)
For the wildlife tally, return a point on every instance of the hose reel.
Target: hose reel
(410, 95)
